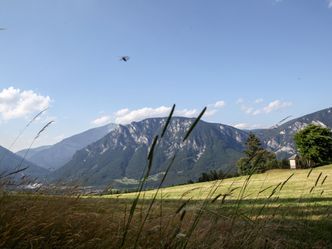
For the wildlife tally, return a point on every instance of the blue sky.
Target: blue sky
(252, 62)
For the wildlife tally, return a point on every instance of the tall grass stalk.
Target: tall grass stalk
(150, 156)
(140, 188)
(150, 161)
(22, 131)
(18, 167)
(34, 140)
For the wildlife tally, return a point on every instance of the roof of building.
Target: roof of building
(293, 157)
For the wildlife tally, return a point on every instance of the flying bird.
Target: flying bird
(124, 58)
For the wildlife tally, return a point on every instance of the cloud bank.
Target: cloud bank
(126, 116)
(103, 120)
(15, 103)
(247, 126)
(270, 107)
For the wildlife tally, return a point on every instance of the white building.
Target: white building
(294, 161)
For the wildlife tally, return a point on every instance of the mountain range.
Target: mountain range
(119, 158)
(54, 156)
(10, 162)
(279, 139)
(116, 155)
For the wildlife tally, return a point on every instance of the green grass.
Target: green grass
(298, 186)
(232, 213)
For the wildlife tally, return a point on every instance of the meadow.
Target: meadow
(276, 209)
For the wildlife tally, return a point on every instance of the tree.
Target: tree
(314, 144)
(211, 176)
(256, 159)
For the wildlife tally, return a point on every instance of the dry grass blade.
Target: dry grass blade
(150, 158)
(43, 129)
(183, 205)
(324, 180)
(153, 201)
(310, 172)
(283, 184)
(280, 122)
(189, 191)
(14, 172)
(312, 189)
(139, 191)
(22, 131)
(284, 119)
(233, 189)
(224, 198)
(274, 190)
(194, 124)
(130, 217)
(36, 116)
(37, 136)
(150, 155)
(168, 121)
(216, 198)
(182, 215)
(198, 216)
(265, 189)
(319, 176)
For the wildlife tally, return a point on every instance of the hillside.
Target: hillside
(280, 138)
(10, 162)
(57, 155)
(120, 157)
(298, 186)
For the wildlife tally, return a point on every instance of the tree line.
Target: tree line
(313, 143)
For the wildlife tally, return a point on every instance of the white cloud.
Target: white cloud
(220, 104)
(15, 103)
(126, 116)
(246, 126)
(272, 106)
(102, 120)
(122, 112)
(186, 112)
(241, 126)
(210, 113)
(247, 109)
(212, 108)
(276, 105)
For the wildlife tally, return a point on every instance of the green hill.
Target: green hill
(299, 185)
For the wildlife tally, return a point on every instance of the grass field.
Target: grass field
(298, 186)
(277, 209)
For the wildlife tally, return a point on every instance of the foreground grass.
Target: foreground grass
(268, 210)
